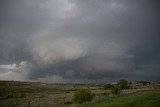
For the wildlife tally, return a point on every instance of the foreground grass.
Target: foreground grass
(139, 99)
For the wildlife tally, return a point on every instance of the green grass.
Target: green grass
(139, 99)
(10, 89)
(17, 94)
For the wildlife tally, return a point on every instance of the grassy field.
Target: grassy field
(19, 94)
(139, 99)
(35, 94)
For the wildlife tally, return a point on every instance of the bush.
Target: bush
(145, 82)
(82, 95)
(3, 92)
(123, 84)
(10, 95)
(108, 86)
(116, 90)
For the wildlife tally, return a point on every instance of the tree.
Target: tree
(123, 84)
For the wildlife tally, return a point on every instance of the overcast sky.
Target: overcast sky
(79, 41)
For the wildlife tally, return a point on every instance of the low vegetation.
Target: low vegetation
(108, 86)
(140, 99)
(82, 95)
(115, 90)
(123, 84)
(36, 94)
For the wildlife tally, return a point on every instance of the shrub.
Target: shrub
(108, 86)
(10, 95)
(22, 95)
(145, 82)
(123, 84)
(82, 95)
(105, 94)
(3, 92)
(116, 90)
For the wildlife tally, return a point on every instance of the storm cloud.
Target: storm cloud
(79, 41)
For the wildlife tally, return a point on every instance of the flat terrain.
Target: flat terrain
(36, 94)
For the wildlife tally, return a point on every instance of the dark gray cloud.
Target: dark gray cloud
(79, 41)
